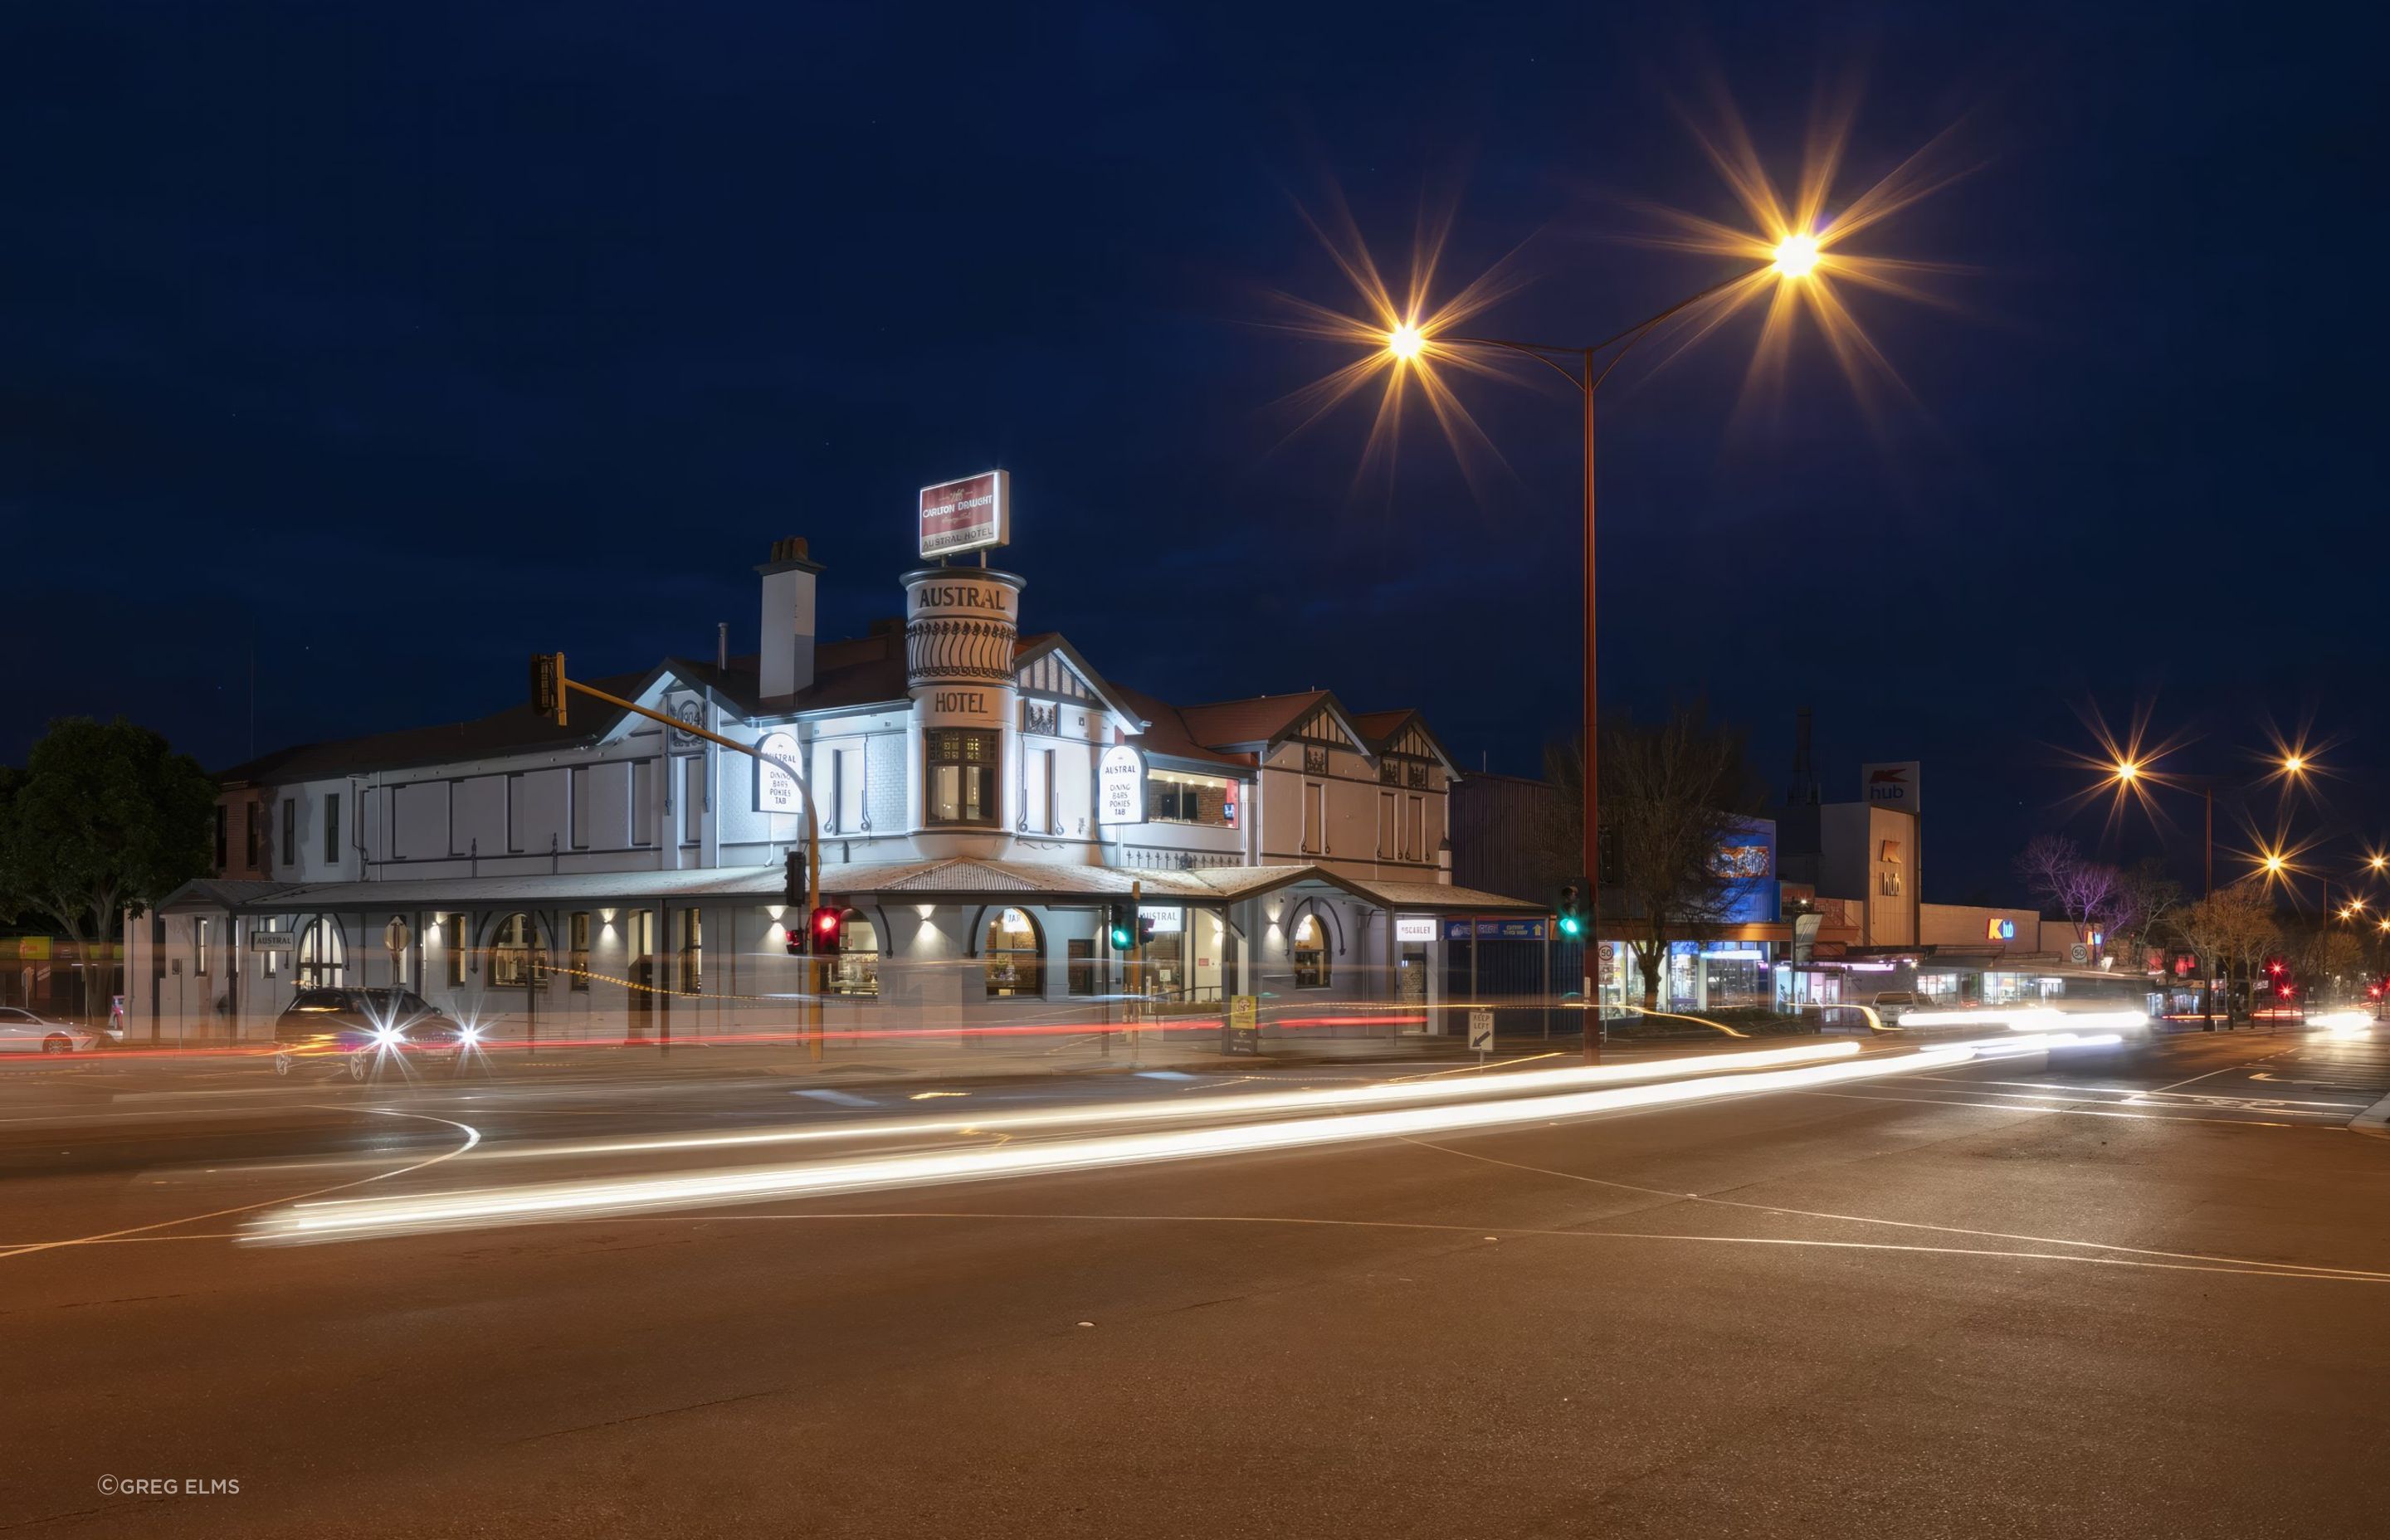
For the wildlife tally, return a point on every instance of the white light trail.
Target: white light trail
(1241, 1105)
(358, 1219)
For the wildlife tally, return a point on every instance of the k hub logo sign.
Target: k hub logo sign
(1893, 786)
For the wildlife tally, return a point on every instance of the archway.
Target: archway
(1015, 950)
(323, 953)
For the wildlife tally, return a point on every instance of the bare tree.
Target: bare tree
(2140, 916)
(1676, 800)
(2059, 876)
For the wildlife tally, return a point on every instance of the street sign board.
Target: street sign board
(1496, 930)
(1241, 1032)
(967, 515)
(273, 941)
(1120, 786)
(776, 789)
(1481, 1032)
(2078, 954)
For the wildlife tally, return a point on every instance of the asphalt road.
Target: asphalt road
(2147, 1298)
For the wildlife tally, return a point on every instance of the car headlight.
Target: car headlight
(389, 1037)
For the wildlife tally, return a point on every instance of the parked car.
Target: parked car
(1892, 1004)
(23, 1032)
(359, 1030)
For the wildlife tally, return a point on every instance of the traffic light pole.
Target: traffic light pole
(550, 685)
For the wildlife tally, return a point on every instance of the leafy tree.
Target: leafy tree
(1675, 795)
(102, 817)
(2326, 957)
(2232, 927)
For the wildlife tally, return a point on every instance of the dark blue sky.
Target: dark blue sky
(392, 343)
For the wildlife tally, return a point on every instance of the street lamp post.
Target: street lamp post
(1795, 257)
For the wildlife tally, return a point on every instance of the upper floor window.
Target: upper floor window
(1416, 774)
(960, 784)
(1315, 759)
(224, 851)
(332, 829)
(1389, 771)
(290, 831)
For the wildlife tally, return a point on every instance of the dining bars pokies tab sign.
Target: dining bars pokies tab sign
(968, 514)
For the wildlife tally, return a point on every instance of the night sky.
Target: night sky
(387, 344)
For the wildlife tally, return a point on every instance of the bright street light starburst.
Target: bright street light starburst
(1796, 260)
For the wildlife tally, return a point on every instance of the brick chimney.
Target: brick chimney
(785, 662)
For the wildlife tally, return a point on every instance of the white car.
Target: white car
(23, 1032)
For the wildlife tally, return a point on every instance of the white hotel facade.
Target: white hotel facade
(612, 874)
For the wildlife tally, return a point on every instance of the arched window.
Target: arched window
(517, 960)
(323, 954)
(1309, 946)
(855, 969)
(398, 941)
(1016, 955)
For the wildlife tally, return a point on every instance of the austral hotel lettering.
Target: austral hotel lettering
(960, 595)
(959, 702)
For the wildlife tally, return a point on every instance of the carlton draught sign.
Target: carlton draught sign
(967, 515)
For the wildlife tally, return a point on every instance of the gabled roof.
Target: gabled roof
(1116, 700)
(1166, 735)
(1385, 729)
(1262, 719)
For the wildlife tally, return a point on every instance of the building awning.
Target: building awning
(954, 880)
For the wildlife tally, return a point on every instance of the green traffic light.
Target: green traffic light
(1569, 926)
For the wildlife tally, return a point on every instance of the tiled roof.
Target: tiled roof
(516, 728)
(958, 875)
(1254, 721)
(1167, 733)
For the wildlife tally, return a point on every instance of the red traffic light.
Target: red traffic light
(828, 923)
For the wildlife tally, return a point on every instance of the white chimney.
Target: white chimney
(786, 663)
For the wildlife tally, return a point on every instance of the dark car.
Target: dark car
(361, 1030)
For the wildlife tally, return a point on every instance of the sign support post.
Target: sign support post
(549, 686)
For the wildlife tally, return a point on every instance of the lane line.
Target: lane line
(2299, 1268)
(472, 1137)
(2247, 1268)
(2083, 1112)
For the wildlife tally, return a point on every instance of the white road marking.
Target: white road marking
(472, 1137)
(2294, 1269)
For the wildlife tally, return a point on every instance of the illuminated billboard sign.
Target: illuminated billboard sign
(776, 789)
(1893, 786)
(1120, 786)
(967, 515)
